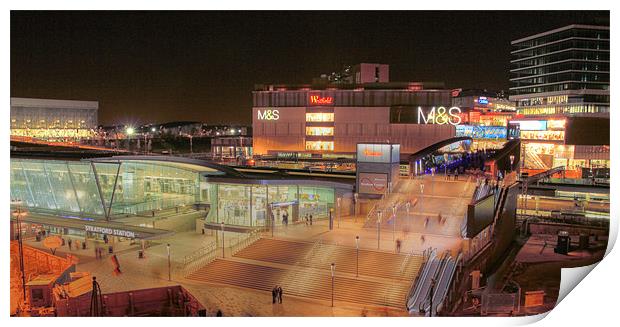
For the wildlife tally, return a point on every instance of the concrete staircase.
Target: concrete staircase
(303, 269)
(315, 285)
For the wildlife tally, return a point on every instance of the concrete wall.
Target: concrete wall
(352, 125)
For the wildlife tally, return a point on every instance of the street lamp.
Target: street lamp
(20, 245)
(355, 198)
(394, 222)
(168, 249)
(357, 260)
(338, 212)
(379, 214)
(130, 131)
(333, 270)
(407, 206)
(222, 227)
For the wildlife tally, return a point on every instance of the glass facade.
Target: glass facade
(92, 189)
(53, 119)
(251, 205)
(564, 71)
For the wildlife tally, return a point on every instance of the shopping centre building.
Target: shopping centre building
(330, 119)
(560, 82)
(53, 120)
(148, 196)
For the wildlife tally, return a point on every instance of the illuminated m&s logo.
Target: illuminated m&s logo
(319, 100)
(268, 114)
(440, 116)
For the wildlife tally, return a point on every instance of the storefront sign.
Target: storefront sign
(370, 183)
(110, 231)
(379, 153)
(531, 125)
(483, 100)
(268, 114)
(317, 100)
(439, 116)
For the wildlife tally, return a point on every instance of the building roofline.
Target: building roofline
(535, 36)
(59, 103)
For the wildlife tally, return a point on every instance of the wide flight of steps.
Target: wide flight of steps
(371, 263)
(303, 269)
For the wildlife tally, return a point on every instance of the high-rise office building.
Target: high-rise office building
(560, 83)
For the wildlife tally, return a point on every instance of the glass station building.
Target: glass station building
(132, 189)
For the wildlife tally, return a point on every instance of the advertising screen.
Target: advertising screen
(480, 215)
(372, 183)
(531, 125)
(481, 132)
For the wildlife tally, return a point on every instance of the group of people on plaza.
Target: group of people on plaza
(276, 294)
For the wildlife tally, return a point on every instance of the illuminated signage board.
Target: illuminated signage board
(439, 116)
(110, 231)
(483, 100)
(531, 125)
(269, 114)
(378, 153)
(481, 132)
(317, 100)
(371, 183)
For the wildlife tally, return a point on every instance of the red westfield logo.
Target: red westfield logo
(319, 100)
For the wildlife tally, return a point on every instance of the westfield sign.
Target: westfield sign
(317, 100)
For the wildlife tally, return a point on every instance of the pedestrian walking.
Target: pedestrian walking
(426, 222)
(310, 219)
(274, 294)
(422, 238)
(456, 175)
(439, 218)
(280, 294)
(219, 313)
(398, 244)
(69, 243)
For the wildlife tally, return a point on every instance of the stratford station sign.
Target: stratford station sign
(110, 231)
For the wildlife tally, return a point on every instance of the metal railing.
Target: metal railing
(205, 259)
(243, 242)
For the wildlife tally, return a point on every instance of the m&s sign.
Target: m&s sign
(268, 114)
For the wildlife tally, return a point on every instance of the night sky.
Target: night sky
(169, 66)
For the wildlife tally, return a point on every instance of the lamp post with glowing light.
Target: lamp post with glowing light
(512, 160)
(130, 131)
(18, 213)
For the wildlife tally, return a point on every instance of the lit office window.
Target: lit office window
(320, 117)
(320, 145)
(320, 131)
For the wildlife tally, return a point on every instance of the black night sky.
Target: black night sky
(169, 66)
